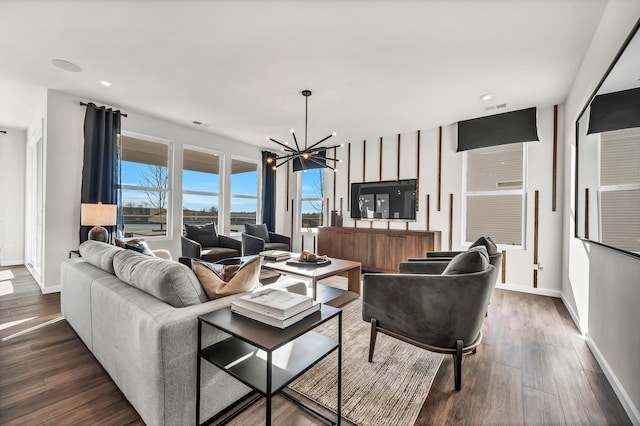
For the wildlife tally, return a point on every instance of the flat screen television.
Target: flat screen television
(384, 200)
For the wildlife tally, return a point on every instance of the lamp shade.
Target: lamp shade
(98, 214)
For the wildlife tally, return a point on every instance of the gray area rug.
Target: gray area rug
(389, 391)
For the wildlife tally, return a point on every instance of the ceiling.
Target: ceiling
(376, 68)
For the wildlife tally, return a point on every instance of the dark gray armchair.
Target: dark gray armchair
(439, 313)
(203, 242)
(257, 238)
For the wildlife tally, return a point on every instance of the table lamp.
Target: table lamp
(98, 215)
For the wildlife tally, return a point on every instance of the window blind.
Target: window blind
(499, 216)
(145, 152)
(495, 168)
(201, 162)
(620, 157)
(619, 215)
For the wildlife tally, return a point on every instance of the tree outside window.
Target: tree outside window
(312, 198)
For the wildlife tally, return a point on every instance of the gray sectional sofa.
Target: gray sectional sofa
(138, 316)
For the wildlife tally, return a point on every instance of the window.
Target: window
(311, 198)
(494, 194)
(244, 193)
(145, 187)
(620, 188)
(200, 187)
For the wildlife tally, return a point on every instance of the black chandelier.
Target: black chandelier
(314, 156)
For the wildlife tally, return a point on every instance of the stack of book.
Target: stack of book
(277, 308)
(275, 255)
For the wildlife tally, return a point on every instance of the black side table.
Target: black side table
(248, 355)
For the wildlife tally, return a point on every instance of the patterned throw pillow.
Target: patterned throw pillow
(222, 280)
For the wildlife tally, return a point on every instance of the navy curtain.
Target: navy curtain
(101, 167)
(268, 190)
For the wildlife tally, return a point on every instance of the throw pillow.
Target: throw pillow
(487, 242)
(136, 245)
(475, 259)
(258, 230)
(205, 234)
(222, 280)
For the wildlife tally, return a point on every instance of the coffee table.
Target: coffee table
(316, 273)
(267, 358)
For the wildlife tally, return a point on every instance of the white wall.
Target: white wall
(600, 285)
(519, 261)
(12, 200)
(64, 153)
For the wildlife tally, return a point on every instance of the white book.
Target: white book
(275, 255)
(275, 322)
(277, 303)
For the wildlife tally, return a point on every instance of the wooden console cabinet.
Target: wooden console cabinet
(378, 250)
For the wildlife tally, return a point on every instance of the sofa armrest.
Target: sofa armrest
(229, 242)
(448, 254)
(279, 238)
(251, 245)
(163, 254)
(190, 248)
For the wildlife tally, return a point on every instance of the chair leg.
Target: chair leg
(372, 338)
(457, 365)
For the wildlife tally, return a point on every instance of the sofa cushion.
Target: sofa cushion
(475, 259)
(220, 280)
(488, 243)
(258, 230)
(213, 254)
(206, 234)
(169, 281)
(99, 254)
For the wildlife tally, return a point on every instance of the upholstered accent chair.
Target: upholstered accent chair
(204, 242)
(257, 238)
(440, 313)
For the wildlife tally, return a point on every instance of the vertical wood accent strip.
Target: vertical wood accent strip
(586, 213)
(536, 207)
(287, 187)
(364, 160)
(348, 179)
(291, 219)
(398, 174)
(380, 159)
(302, 239)
(314, 243)
(428, 212)
(450, 222)
(388, 225)
(418, 176)
(439, 166)
(327, 221)
(335, 177)
(555, 159)
(504, 266)
(370, 224)
(340, 205)
(406, 226)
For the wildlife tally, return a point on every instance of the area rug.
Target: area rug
(389, 391)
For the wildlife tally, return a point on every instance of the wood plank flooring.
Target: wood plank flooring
(533, 368)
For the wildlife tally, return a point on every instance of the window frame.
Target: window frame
(218, 194)
(169, 189)
(522, 192)
(257, 197)
(301, 200)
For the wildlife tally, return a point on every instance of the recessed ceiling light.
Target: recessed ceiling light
(485, 97)
(66, 65)
(105, 83)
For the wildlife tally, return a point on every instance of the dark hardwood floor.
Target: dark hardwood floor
(532, 368)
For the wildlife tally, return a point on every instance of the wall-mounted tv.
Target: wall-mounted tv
(385, 200)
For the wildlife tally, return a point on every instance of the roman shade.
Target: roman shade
(500, 129)
(615, 111)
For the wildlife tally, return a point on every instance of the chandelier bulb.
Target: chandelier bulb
(305, 155)
(333, 134)
(340, 161)
(269, 160)
(292, 130)
(335, 170)
(267, 138)
(341, 145)
(273, 167)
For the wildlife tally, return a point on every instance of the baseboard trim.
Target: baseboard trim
(623, 396)
(54, 289)
(12, 263)
(526, 289)
(574, 315)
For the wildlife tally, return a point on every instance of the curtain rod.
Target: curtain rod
(122, 114)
